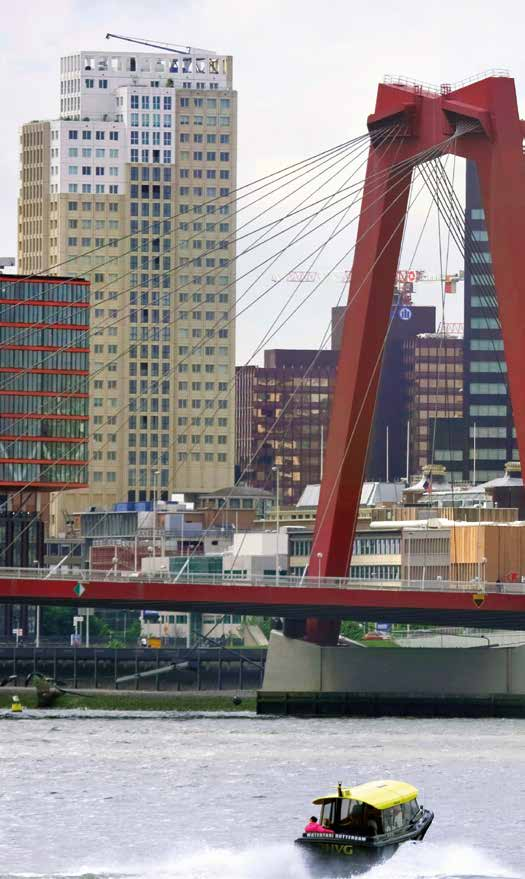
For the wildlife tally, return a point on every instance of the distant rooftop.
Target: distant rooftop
(238, 491)
(372, 494)
(34, 279)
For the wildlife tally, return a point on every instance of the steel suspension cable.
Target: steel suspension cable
(464, 243)
(204, 429)
(411, 162)
(312, 364)
(366, 231)
(374, 370)
(287, 168)
(234, 232)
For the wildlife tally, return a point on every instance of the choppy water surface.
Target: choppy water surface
(195, 797)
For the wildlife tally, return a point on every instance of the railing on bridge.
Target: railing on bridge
(83, 576)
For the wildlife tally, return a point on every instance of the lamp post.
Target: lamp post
(36, 564)
(277, 523)
(319, 560)
(483, 577)
(155, 503)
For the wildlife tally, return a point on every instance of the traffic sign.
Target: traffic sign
(79, 590)
(18, 632)
(78, 620)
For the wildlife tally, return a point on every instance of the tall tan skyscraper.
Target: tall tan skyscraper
(133, 188)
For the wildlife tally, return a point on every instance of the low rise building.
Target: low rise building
(375, 555)
(255, 554)
(237, 506)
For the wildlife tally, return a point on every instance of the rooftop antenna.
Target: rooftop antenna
(174, 48)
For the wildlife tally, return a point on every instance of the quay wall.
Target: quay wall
(297, 666)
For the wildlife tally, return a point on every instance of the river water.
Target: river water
(222, 797)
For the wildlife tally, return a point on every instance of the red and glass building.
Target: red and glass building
(44, 394)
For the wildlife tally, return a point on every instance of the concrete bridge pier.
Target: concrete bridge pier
(466, 679)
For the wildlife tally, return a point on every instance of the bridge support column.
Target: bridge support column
(292, 665)
(363, 677)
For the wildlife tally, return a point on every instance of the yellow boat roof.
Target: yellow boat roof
(380, 794)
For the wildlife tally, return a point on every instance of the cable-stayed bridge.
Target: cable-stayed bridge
(412, 128)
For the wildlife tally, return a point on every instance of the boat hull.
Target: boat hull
(342, 856)
(350, 855)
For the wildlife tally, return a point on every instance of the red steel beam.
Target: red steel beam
(479, 610)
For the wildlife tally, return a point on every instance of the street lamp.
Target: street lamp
(276, 470)
(36, 564)
(155, 503)
(319, 560)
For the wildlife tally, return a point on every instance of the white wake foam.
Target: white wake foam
(419, 861)
(431, 860)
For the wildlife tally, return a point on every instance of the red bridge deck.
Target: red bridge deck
(450, 604)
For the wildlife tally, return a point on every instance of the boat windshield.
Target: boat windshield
(328, 814)
(355, 817)
(398, 816)
(359, 818)
(351, 816)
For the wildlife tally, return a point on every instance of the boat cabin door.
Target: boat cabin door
(328, 816)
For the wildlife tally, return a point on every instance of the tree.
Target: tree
(57, 622)
(133, 632)
(353, 630)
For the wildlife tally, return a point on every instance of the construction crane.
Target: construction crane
(406, 278)
(175, 48)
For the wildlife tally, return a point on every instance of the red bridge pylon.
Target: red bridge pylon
(478, 121)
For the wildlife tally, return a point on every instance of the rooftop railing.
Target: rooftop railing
(444, 88)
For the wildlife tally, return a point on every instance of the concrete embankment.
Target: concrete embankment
(302, 678)
(131, 700)
(388, 705)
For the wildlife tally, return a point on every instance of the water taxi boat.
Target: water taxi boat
(362, 825)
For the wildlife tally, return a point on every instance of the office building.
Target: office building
(490, 438)
(135, 182)
(391, 413)
(296, 387)
(44, 387)
(433, 368)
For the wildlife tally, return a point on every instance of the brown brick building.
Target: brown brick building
(290, 387)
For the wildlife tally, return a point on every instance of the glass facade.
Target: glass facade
(434, 369)
(43, 389)
(21, 546)
(393, 395)
(383, 566)
(487, 409)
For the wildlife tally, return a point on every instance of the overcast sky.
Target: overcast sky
(306, 73)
